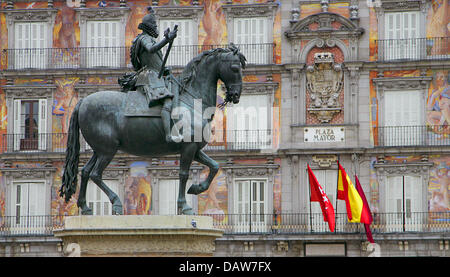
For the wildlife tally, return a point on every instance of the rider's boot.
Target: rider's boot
(165, 116)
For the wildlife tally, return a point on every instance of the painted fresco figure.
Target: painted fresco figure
(147, 60)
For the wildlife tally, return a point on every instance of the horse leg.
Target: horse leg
(202, 158)
(96, 176)
(81, 203)
(187, 155)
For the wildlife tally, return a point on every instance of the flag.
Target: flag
(318, 195)
(365, 204)
(356, 210)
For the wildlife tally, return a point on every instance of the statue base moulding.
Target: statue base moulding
(139, 235)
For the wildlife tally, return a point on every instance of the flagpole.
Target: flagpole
(337, 187)
(310, 215)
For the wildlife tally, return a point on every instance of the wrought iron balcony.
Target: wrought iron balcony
(414, 49)
(282, 224)
(235, 140)
(35, 143)
(310, 223)
(116, 57)
(398, 136)
(240, 140)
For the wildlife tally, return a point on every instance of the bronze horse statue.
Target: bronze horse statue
(102, 121)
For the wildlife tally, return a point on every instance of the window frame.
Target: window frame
(46, 16)
(250, 221)
(234, 12)
(43, 123)
(119, 14)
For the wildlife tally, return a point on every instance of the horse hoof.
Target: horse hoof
(117, 210)
(188, 211)
(185, 210)
(194, 189)
(86, 212)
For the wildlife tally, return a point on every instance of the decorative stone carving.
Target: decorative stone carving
(104, 13)
(324, 160)
(401, 5)
(257, 88)
(402, 83)
(28, 91)
(324, 81)
(27, 15)
(390, 169)
(325, 22)
(192, 12)
(250, 10)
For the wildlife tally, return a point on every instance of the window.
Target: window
(97, 199)
(30, 43)
(183, 49)
(30, 124)
(103, 43)
(250, 206)
(403, 118)
(27, 207)
(401, 33)
(403, 202)
(249, 124)
(168, 196)
(251, 36)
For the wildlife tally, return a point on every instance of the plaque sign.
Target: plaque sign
(324, 134)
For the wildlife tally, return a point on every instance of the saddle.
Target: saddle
(136, 104)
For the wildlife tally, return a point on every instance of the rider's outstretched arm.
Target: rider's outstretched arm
(153, 47)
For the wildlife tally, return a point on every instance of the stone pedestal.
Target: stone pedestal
(139, 235)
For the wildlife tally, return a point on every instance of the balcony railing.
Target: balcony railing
(283, 224)
(57, 142)
(305, 223)
(67, 58)
(412, 49)
(236, 140)
(117, 57)
(412, 136)
(44, 142)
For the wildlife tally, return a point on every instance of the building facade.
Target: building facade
(365, 83)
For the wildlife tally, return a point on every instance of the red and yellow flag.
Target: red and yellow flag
(357, 210)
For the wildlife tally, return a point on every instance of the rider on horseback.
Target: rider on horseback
(147, 60)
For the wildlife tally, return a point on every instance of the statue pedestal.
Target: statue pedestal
(139, 235)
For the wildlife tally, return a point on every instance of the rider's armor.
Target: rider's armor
(147, 60)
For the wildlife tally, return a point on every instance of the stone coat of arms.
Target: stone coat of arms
(324, 80)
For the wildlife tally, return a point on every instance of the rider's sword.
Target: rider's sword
(167, 55)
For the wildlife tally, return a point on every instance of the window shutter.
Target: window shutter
(36, 199)
(23, 45)
(18, 133)
(403, 117)
(412, 194)
(37, 45)
(183, 49)
(250, 34)
(167, 197)
(103, 40)
(394, 194)
(42, 125)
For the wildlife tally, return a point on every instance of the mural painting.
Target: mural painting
(138, 190)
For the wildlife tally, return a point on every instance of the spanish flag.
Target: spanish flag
(357, 210)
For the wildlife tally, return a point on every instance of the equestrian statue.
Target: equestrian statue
(109, 122)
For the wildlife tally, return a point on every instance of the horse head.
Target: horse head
(230, 72)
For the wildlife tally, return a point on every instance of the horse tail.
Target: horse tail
(70, 175)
